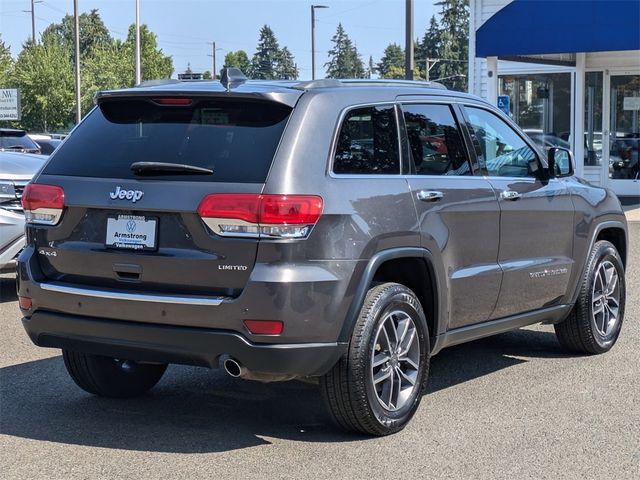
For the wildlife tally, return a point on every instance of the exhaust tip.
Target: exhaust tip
(232, 367)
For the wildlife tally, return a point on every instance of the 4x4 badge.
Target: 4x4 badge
(133, 195)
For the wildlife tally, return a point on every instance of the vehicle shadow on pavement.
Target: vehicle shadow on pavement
(8, 289)
(194, 410)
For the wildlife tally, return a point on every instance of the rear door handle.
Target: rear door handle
(429, 196)
(510, 195)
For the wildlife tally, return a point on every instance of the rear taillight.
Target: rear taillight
(43, 204)
(263, 216)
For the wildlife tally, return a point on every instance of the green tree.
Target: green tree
(454, 43)
(344, 59)
(206, 75)
(105, 69)
(6, 64)
(154, 64)
(429, 48)
(393, 58)
(286, 67)
(45, 76)
(265, 61)
(238, 59)
(93, 33)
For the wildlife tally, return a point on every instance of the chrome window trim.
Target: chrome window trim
(134, 297)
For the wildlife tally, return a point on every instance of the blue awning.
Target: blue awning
(538, 27)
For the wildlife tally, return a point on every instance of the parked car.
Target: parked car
(287, 230)
(48, 145)
(16, 170)
(12, 139)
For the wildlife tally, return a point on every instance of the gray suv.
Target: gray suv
(340, 230)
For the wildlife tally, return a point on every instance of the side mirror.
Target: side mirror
(560, 162)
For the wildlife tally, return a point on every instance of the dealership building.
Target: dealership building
(568, 72)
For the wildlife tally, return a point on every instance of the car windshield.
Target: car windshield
(17, 142)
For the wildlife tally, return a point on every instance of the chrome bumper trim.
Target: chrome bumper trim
(134, 297)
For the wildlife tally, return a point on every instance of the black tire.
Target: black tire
(580, 332)
(110, 377)
(348, 389)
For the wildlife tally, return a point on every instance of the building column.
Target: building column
(578, 114)
(492, 80)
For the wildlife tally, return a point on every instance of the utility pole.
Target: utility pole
(138, 69)
(77, 59)
(33, 21)
(313, 39)
(213, 54)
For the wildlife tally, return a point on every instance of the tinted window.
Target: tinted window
(435, 142)
(368, 142)
(235, 139)
(17, 142)
(503, 152)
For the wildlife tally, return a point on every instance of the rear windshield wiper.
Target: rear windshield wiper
(160, 168)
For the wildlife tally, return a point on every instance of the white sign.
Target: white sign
(631, 103)
(9, 104)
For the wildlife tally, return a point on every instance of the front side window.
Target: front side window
(435, 142)
(368, 142)
(502, 152)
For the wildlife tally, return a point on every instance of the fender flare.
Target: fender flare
(367, 277)
(596, 232)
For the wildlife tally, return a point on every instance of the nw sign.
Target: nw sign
(9, 104)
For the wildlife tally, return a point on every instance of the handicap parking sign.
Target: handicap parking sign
(503, 103)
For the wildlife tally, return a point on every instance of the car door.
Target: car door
(536, 216)
(458, 213)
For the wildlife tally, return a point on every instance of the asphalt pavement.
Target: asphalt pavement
(510, 406)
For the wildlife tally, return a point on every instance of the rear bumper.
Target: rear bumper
(173, 344)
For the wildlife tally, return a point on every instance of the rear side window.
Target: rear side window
(235, 139)
(368, 142)
(435, 141)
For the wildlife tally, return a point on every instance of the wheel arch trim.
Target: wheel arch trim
(367, 277)
(598, 228)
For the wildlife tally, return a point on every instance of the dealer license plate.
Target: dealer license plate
(131, 232)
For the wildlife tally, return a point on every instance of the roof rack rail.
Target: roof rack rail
(333, 82)
(390, 82)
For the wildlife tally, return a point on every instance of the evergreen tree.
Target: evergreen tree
(454, 43)
(429, 48)
(286, 65)
(393, 57)
(344, 59)
(238, 59)
(265, 60)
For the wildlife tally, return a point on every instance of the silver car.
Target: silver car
(16, 170)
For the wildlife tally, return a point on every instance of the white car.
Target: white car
(16, 170)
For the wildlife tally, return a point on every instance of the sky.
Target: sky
(186, 28)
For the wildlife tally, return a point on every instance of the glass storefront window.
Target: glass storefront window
(624, 141)
(541, 106)
(593, 118)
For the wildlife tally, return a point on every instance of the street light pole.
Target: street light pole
(138, 69)
(313, 39)
(77, 59)
(408, 48)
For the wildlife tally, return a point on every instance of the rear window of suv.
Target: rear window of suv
(237, 139)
